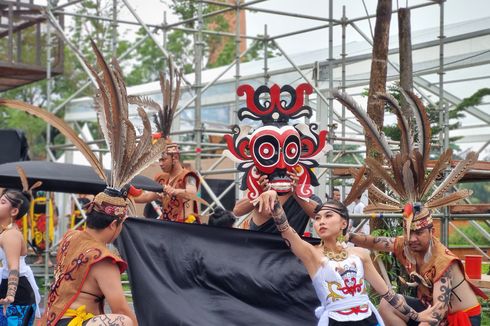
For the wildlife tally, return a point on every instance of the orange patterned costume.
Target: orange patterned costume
(77, 254)
(173, 206)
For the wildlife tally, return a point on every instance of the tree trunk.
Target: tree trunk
(375, 107)
(405, 40)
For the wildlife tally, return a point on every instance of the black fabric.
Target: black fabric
(297, 217)
(13, 146)
(61, 177)
(149, 211)
(24, 295)
(190, 274)
(370, 321)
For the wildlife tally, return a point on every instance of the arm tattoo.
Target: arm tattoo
(444, 297)
(104, 320)
(13, 282)
(369, 242)
(279, 217)
(384, 242)
(398, 302)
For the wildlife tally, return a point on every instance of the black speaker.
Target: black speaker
(13, 146)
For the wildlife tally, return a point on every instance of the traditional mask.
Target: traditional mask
(276, 148)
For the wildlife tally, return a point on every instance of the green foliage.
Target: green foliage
(455, 239)
(474, 99)
(64, 85)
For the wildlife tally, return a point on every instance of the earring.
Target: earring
(428, 254)
(341, 237)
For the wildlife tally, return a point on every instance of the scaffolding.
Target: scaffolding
(340, 69)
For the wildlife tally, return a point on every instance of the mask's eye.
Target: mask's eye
(292, 150)
(266, 150)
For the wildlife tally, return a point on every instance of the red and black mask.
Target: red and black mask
(276, 148)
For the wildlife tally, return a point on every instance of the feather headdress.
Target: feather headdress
(164, 115)
(406, 172)
(129, 155)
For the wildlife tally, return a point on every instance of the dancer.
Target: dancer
(87, 272)
(338, 274)
(84, 263)
(18, 289)
(436, 272)
(179, 201)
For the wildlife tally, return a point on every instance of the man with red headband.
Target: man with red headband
(436, 272)
(87, 272)
(277, 155)
(180, 185)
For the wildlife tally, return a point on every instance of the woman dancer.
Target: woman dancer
(338, 274)
(18, 289)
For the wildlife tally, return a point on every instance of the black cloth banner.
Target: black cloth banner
(189, 274)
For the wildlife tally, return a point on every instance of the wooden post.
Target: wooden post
(375, 107)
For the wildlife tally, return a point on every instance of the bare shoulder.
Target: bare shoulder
(362, 253)
(13, 234)
(104, 268)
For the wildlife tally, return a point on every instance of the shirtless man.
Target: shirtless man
(437, 272)
(87, 272)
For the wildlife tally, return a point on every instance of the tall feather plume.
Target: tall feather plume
(441, 164)
(408, 181)
(365, 121)
(115, 110)
(419, 168)
(62, 126)
(163, 119)
(359, 185)
(422, 121)
(456, 174)
(380, 207)
(449, 199)
(380, 196)
(144, 101)
(379, 170)
(406, 143)
(129, 155)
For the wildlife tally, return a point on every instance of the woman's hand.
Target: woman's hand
(6, 302)
(266, 201)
